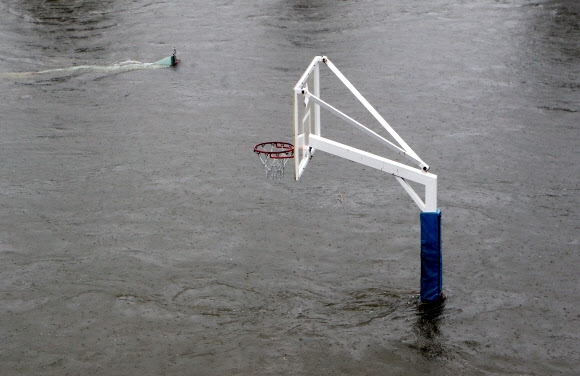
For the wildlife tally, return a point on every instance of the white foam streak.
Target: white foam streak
(125, 66)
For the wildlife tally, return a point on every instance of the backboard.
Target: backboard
(306, 116)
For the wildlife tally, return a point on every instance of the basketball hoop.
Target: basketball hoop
(274, 156)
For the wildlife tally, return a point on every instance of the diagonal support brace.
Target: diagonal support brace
(383, 164)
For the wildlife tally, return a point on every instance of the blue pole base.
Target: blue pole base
(431, 257)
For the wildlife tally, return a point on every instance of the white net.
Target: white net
(274, 156)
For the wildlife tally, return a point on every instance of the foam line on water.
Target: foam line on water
(125, 66)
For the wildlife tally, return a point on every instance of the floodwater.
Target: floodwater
(140, 236)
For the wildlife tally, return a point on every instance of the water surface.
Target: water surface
(140, 236)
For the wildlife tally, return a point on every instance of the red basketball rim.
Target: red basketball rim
(277, 150)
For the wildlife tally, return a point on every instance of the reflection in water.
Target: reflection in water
(559, 38)
(62, 13)
(310, 24)
(429, 342)
(65, 26)
(549, 61)
(562, 37)
(306, 10)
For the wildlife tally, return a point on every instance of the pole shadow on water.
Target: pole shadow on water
(429, 340)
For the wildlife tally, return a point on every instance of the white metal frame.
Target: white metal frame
(307, 137)
(306, 121)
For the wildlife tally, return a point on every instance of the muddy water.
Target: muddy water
(139, 235)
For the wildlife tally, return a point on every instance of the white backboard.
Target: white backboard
(306, 116)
